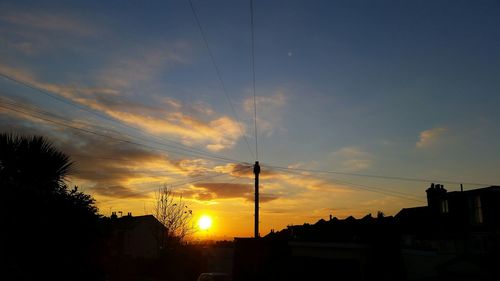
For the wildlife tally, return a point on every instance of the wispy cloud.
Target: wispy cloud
(129, 67)
(269, 111)
(17, 73)
(106, 167)
(36, 32)
(118, 191)
(48, 21)
(353, 158)
(431, 137)
(216, 132)
(221, 190)
(224, 190)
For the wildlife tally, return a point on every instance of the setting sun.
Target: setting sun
(205, 222)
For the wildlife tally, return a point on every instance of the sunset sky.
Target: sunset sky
(128, 89)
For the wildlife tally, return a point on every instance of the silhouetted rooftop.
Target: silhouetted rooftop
(349, 229)
(130, 221)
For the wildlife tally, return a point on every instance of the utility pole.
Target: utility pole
(256, 172)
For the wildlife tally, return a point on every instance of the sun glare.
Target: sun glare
(205, 222)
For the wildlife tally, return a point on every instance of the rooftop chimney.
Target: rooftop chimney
(435, 194)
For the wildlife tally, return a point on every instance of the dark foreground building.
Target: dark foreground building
(455, 237)
(347, 249)
(137, 250)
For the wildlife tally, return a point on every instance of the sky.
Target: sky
(141, 98)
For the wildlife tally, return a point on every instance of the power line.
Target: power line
(81, 173)
(216, 159)
(256, 169)
(45, 113)
(253, 79)
(196, 178)
(379, 176)
(191, 152)
(79, 106)
(158, 173)
(276, 167)
(356, 184)
(219, 75)
(376, 189)
(379, 190)
(54, 96)
(115, 171)
(117, 139)
(226, 161)
(212, 176)
(77, 155)
(177, 184)
(99, 134)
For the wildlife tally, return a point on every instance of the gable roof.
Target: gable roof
(413, 214)
(128, 222)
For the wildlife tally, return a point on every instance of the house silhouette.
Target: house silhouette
(457, 234)
(136, 237)
(455, 237)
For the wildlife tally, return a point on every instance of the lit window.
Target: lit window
(444, 206)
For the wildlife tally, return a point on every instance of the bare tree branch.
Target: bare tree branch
(171, 211)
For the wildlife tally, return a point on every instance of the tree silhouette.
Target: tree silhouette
(30, 161)
(50, 231)
(171, 211)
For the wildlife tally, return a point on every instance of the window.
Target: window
(477, 211)
(444, 206)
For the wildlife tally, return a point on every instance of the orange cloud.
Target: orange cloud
(118, 191)
(194, 167)
(246, 171)
(207, 191)
(430, 137)
(217, 133)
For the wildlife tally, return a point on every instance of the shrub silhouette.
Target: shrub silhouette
(49, 231)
